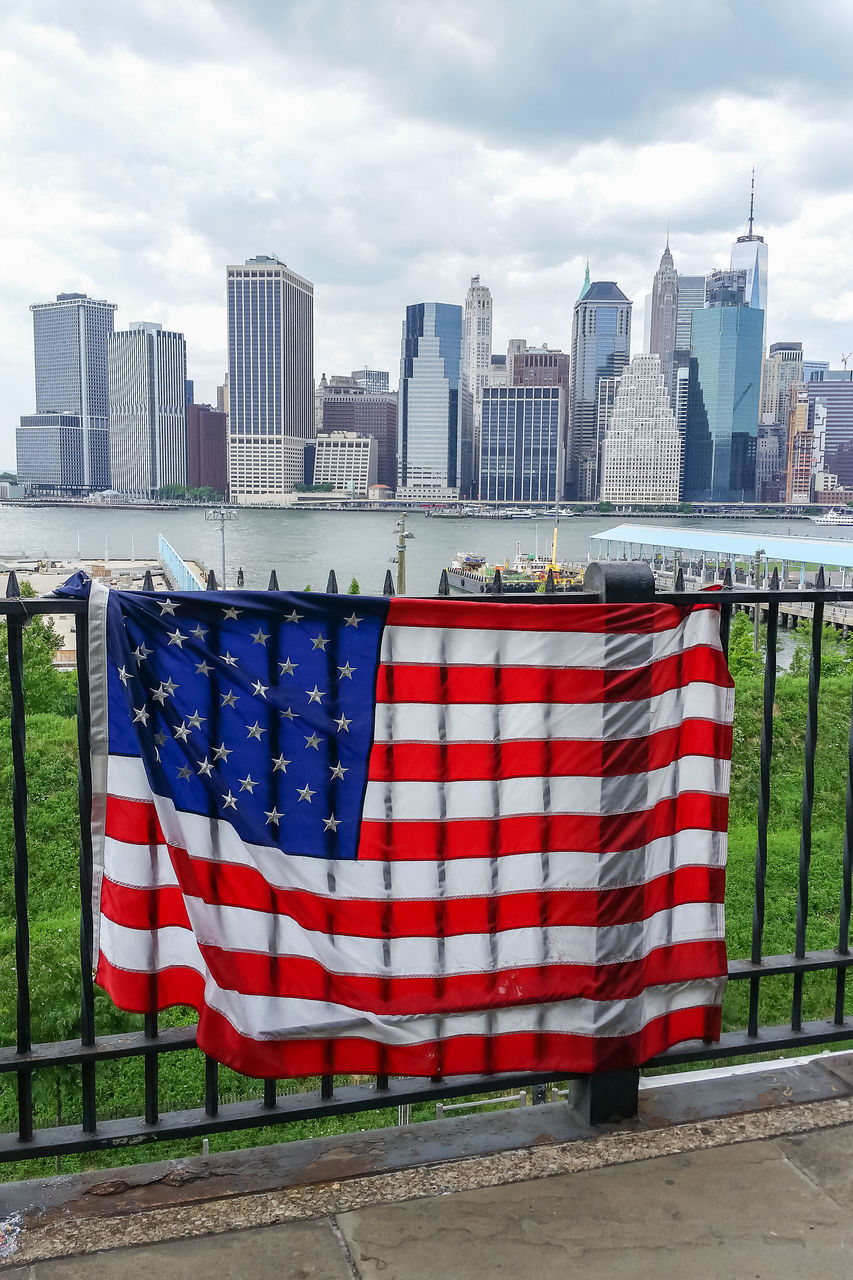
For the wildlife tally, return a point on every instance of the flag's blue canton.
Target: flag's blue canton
(255, 708)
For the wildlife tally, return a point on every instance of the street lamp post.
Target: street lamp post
(220, 515)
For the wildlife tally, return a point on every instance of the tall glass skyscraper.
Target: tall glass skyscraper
(691, 297)
(724, 397)
(148, 409)
(601, 348)
(270, 376)
(70, 339)
(434, 422)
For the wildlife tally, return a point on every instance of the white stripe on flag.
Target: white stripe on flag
(513, 797)
(515, 721)
(144, 866)
(239, 929)
(468, 646)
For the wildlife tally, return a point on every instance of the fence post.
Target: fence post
(613, 1095)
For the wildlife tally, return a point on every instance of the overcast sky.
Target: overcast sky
(390, 150)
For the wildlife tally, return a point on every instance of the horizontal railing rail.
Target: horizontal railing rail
(599, 1097)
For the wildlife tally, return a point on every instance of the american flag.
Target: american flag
(411, 836)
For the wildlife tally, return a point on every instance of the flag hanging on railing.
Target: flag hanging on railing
(423, 837)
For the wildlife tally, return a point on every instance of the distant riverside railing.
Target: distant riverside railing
(599, 1098)
(177, 568)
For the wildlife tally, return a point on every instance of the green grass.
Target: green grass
(54, 917)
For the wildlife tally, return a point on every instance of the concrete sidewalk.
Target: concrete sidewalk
(771, 1208)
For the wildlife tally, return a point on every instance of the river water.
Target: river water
(303, 545)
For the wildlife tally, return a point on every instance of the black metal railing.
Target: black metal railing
(599, 1097)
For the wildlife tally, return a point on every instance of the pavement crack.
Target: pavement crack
(344, 1246)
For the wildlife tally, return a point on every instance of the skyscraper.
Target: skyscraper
(691, 297)
(663, 318)
(477, 351)
(434, 422)
(148, 409)
(70, 339)
(641, 449)
(724, 397)
(271, 378)
(522, 443)
(601, 347)
(749, 254)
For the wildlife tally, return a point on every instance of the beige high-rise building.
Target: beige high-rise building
(271, 378)
(641, 449)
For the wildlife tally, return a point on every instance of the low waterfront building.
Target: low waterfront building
(52, 453)
(346, 460)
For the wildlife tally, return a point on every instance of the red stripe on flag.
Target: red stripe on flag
(254, 973)
(483, 615)
(542, 833)
(520, 758)
(499, 685)
(231, 885)
(461, 1055)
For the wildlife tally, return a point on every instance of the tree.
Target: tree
(743, 661)
(835, 653)
(354, 589)
(605, 507)
(45, 688)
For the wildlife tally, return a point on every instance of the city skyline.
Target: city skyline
(132, 171)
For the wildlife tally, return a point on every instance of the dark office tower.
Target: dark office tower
(522, 443)
(207, 448)
(539, 367)
(70, 338)
(664, 314)
(344, 404)
(601, 348)
(691, 297)
(435, 411)
(724, 395)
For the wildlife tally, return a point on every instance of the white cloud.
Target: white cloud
(389, 152)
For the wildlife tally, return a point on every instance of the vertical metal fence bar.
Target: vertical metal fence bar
(443, 584)
(763, 800)
(270, 1095)
(497, 584)
(272, 585)
(807, 804)
(332, 584)
(84, 804)
(846, 868)
(211, 1086)
(388, 587)
(726, 614)
(15, 641)
(152, 1072)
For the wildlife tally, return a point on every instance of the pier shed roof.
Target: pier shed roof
(742, 544)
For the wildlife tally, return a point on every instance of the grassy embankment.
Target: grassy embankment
(54, 898)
